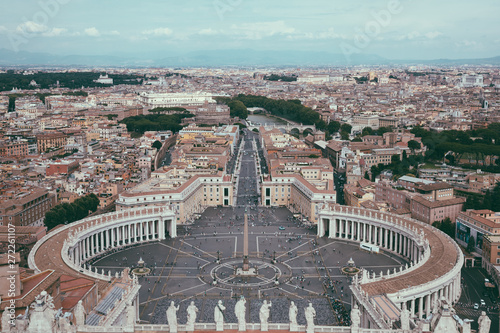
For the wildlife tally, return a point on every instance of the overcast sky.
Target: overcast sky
(405, 29)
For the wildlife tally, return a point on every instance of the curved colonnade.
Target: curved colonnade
(433, 273)
(93, 236)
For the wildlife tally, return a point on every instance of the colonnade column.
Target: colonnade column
(357, 231)
(420, 307)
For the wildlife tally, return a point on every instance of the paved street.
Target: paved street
(473, 291)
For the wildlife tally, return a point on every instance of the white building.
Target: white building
(166, 100)
(104, 79)
(469, 81)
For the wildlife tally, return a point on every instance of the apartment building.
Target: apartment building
(26, 207)
(477, 224)
(426, 201)
(50, 140)
(185, 193)
(302, 185)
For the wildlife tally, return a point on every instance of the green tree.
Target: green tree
(382, 130)
(405, 157)
(157, 144)
(367, 131)
(333, 126)
(445, 226)
(344, 135)
(238, 109)
(346, 128)
(395, 159)
(413, 145)
(471, 244)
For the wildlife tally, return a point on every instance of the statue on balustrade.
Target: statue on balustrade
(172, 317)
(310, 313)
(240, 311)
(484, 323)
(219, 316)
(264, 315)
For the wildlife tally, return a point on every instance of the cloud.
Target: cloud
(158, 32)
(114, 33)
(54, 32)
(31, 27)
(261, 30)
(465, 43)
(420, 36)
(207, 32)
(328, 34)
(3, 29)
(409, 36)
(93, 32)
(433, 34)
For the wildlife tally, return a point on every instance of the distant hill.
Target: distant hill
(237, 57)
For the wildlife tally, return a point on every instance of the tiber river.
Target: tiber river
(264, 119)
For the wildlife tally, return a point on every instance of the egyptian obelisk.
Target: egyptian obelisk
(246, 266)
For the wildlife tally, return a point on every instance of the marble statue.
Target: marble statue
(172, 317)
(405, 318)
(355, 316)
(310, 313)
(219, 316)
(264, 315)
(292, 314)
(466, 326)
(6, 321)
(484, 323)
(191, 316)
(65, 325)
(79, 313)
(239, 311)
(42, 319)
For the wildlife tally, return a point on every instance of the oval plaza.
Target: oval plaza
(238, 271)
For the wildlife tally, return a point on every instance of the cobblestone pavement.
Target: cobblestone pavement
(308, 268)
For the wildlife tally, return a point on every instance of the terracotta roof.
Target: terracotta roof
(443, 257)
(439, 203)
(434, 186)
